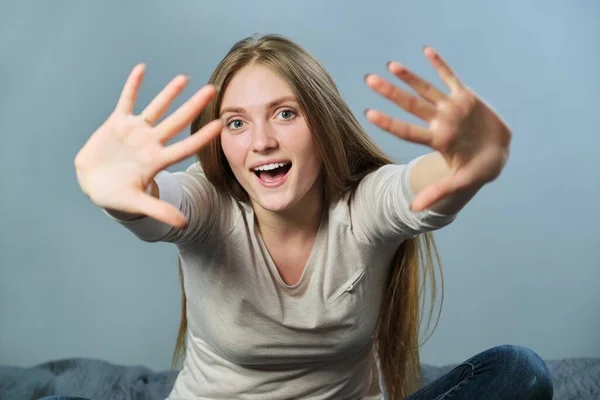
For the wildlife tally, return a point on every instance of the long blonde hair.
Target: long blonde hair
(348, 154)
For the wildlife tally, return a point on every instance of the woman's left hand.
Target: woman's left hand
(471, 137)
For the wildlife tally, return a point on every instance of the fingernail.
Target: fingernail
(398, 67)
(388, 64)
(366, 111)
(366, 76)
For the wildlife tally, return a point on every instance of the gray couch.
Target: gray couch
(574, 379)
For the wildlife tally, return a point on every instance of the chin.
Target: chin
(275, 202)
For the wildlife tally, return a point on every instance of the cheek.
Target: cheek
(315, 163)
(235, 151)
(310, 153)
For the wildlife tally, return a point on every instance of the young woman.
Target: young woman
(302, 245)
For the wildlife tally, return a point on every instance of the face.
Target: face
(267, 141)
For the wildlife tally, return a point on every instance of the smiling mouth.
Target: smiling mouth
(272, 173)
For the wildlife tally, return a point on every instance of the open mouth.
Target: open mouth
(272, 173)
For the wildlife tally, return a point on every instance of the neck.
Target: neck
(301, 220)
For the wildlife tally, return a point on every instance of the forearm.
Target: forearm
(431, 169)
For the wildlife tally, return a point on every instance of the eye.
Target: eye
(287, 114)
(235, 124)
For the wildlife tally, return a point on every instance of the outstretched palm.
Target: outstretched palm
(123, 155)
(472, 138)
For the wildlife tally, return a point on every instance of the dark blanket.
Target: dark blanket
(94, 379)
(574, 379)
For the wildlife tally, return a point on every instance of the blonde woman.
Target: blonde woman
(303, 247)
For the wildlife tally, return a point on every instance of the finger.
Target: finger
(412, 133)
(443, 69)
(413, 104)
(126, 101)
(438, 191)
(160, 210)
(164, 99)
(418, 84)
(175, 122)
(191, 145)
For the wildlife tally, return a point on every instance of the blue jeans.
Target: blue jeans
(502, 372)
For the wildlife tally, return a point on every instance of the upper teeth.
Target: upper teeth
(268, 167)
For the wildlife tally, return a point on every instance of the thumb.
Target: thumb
(433, 193)
(159, 210)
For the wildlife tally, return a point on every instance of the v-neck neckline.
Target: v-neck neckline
(308, 266)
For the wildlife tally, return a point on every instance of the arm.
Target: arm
(380, 210)
(208, 213)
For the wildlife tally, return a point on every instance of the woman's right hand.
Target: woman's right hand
(120, 160)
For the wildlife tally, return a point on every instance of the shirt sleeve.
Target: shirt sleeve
(208, 212)
(380, 207)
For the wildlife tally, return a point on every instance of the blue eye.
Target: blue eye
(237, 124)
(287, 114)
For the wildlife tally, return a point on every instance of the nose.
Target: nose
(263, 138)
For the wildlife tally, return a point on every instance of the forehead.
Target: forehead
(254, 86)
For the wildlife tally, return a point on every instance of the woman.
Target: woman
(300, 241)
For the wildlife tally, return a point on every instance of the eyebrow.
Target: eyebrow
(270, 105)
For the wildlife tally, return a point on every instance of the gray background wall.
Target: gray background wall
(522, 263)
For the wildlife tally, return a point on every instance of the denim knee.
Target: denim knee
(528, 368)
